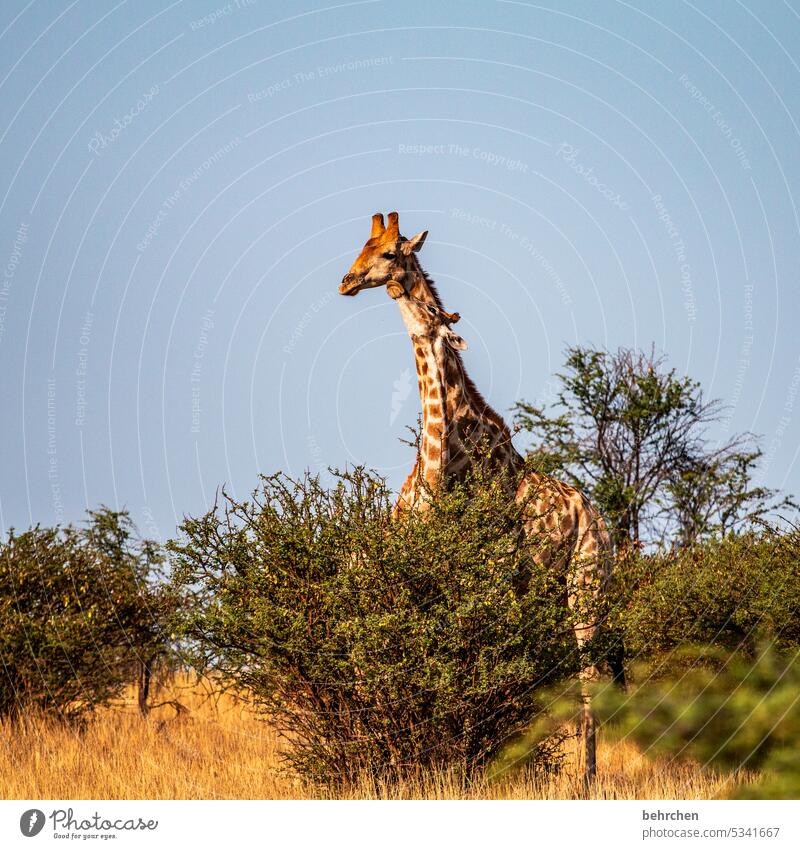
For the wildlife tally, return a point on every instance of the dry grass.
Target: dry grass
(219, 749)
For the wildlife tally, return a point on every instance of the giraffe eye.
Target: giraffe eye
(389, 255)
(432, 310)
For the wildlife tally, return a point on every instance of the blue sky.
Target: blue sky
(184, 185)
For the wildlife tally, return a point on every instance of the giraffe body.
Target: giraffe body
(460, 430)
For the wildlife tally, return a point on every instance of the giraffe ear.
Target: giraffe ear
(454, 340)
(414, 243)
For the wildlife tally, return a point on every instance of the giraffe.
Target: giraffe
(460, 429)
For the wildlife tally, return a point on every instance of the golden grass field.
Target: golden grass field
(220, 750)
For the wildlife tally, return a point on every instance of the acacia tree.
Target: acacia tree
(714, 493)
(149, 600)
(632, 433)
(377, 645)
(82, 614)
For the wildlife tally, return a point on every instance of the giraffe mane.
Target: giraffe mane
(429, 283)
(475, 395)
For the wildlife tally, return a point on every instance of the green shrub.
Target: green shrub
(79, 614)
(729, 712)
(375, 644)
(732, 593)
(712, 633)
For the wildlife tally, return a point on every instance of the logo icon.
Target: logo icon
(31, 822)
(402, 389)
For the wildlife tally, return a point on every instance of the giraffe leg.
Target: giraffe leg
(588, 730)
(590, 568)
(583, 590)
(580, 550)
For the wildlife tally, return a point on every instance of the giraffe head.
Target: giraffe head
(428, 323)
(385, 260)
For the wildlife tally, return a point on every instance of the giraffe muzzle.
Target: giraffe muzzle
(351, 284)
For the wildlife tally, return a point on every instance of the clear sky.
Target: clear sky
(183, 186)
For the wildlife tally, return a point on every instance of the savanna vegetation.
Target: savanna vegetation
(83, 612)
(219, 748)
(305, 643)
(379, 646)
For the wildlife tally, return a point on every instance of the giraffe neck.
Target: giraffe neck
(458, 427)
(434, 448)
(477, 434)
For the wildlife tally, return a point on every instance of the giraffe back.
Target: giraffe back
(575, 543)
